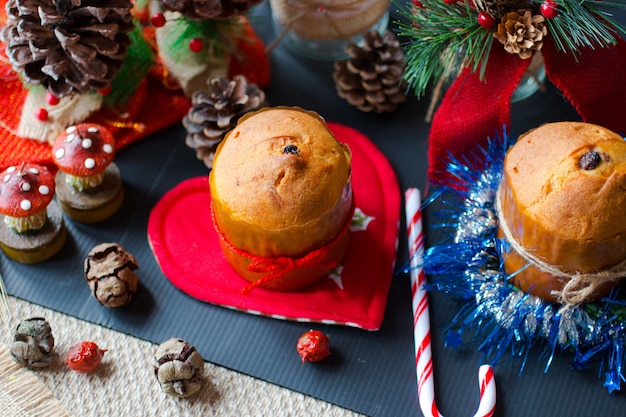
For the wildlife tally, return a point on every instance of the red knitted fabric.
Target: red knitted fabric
(166, 108)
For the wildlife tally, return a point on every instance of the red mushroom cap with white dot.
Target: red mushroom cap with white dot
(84, 149)
(25, 190)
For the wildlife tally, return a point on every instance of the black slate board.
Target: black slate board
(369, 372)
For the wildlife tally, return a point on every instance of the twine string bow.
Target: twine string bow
(277, 267)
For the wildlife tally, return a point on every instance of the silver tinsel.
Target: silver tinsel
(496, 315)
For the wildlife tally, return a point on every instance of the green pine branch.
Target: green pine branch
(441, 38)
(584, 24)
(136, 65)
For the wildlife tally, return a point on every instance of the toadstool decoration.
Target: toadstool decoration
(89, 184)
(33, 229)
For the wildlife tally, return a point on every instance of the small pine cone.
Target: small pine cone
(33, 343)
(372, 79)
(521, 33)
(216, 111)
(109, 271)
(68, 46)
(179, 368)
(209, 9)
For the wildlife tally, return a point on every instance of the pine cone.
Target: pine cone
(109, 271)
(67, 45)
(372, 79)
(216, 111)
(209, 9)
(33, 343)
(521, 33)
(179, 368)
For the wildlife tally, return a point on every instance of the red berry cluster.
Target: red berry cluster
(42, 113)
(549, 10)
(158, 20)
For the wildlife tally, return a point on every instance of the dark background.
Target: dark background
(370, 372)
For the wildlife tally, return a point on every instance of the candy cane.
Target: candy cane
(421, 322)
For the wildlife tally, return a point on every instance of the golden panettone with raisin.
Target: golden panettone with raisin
(281, 188)
(562, 200)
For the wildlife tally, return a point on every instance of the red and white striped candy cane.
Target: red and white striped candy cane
(421, 322)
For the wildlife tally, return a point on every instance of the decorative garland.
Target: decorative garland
(494, 314)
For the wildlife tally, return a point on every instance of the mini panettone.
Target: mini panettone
(562, 200)
(282, 198)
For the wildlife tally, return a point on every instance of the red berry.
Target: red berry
(84, 357)
(106, 90)
(418, 3)
(449, 1)
(313, 346)
(196, 45)
(41, 114)
(549, 9)
(486, 20)
(51, 99)
(157, 20)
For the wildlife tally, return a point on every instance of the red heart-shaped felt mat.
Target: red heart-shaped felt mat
(187, 248)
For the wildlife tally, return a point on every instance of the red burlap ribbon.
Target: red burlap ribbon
(472, 111)
(275, 268)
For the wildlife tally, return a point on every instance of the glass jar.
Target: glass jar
(321, 29)
(532, 80)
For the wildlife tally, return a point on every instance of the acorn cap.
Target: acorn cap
(84, 149)
(25, 190)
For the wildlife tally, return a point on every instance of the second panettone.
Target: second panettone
(282, 197)
(562, 199)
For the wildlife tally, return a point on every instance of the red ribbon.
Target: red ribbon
(277, 267)
(473, 110)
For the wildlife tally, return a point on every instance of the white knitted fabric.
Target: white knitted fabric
(125, 385)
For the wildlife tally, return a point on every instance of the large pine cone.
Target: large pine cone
(67, 45)
(372, 79)
(216, 111)
(209, 9)
(521, 33)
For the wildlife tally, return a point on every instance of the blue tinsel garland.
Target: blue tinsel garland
(494, 313)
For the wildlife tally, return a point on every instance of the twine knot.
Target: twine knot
(277, 267)
(579, 286)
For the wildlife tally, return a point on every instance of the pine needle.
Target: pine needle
(444, 38)
(135, 67)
